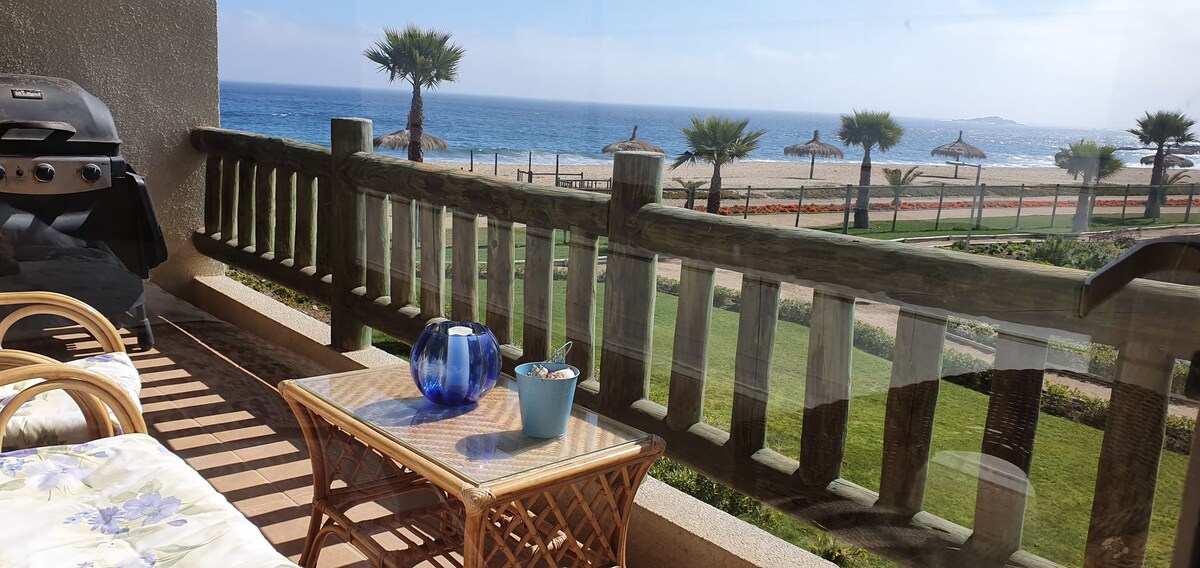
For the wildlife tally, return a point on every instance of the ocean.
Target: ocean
(575, 131)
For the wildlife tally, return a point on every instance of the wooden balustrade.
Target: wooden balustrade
(501, 255)
(404, 251)
(341, 226)
(285, 215)
(539, 290)
(581, 301)
(464, 281)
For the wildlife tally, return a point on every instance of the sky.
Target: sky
(1083, 63)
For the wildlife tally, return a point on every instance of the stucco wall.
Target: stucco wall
(154, 63)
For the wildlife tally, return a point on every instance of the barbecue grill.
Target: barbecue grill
(74, 217)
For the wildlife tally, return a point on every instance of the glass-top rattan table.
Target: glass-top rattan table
(463, 486)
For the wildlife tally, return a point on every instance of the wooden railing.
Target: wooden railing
(341, 226)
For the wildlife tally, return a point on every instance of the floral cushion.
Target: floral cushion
(120, 502)
(53, 417)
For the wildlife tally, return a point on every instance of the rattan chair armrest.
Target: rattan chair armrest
(54, 304)
(10, 358)
(91, 391)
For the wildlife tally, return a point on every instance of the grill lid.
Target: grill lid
(49, 115)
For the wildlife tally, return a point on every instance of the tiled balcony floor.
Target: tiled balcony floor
(209, 395)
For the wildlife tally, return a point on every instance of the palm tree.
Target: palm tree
(717, 140)
(1094, 162)
(689, 187)
(1163, 128)
(898, 179)
(868, 129)
(1176, 178)
(424, 58)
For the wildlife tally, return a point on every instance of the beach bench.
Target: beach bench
(121, 500)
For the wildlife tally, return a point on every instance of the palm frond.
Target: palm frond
(425, 58)
(869, 129)
(1093, 161)
(718, 140)
(1163, 128)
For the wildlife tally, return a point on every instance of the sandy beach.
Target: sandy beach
(738, 175)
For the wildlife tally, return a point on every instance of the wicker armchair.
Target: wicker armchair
(117, 500)
(54, 304)
(47, 416)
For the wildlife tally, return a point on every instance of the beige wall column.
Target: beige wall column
(154, 63)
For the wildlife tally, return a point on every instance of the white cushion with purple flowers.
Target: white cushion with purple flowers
(53, 417)
(124, 501)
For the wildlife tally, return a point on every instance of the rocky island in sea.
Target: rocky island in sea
(987, 120)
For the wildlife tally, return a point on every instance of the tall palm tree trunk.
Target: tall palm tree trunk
(714, 191)
(416, 126)
(1083, 208)
(1154, 199)
(862, 205)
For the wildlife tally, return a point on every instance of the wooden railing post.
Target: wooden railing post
(1187, 536)
(285, 215)
(348, 135)
(500, 276)
(908, 421)
(1007, 453)
(689, 362)
(1122, 506)
(403, 251)
(431, 228)
(378, 245)
(464, 281)
(757, 320)
(245, 204)
(629, 285)
(304, 250)
(264, 209)
(212, 194)
(827, 389)
(581, 301)
(539, 293)
(229, 196)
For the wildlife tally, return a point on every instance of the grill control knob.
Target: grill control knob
(2, 172)
(43, 172)
(91, 173)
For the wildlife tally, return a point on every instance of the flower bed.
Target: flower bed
(929, 205)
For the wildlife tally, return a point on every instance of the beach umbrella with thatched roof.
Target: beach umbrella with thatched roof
(399, 139)
(958, 150)
(814, 148)
(1170, 161)
(631, 145)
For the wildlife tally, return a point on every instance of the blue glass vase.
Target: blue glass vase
(455, 363)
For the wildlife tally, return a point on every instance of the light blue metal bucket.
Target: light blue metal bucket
(545, 403)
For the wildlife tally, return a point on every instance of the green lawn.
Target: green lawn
(1066, 453)
(881, 225)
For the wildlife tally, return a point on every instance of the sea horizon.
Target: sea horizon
(573, 132)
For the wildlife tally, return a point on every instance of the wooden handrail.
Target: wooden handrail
(485, 195)
(931, 280)
(290, 154)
